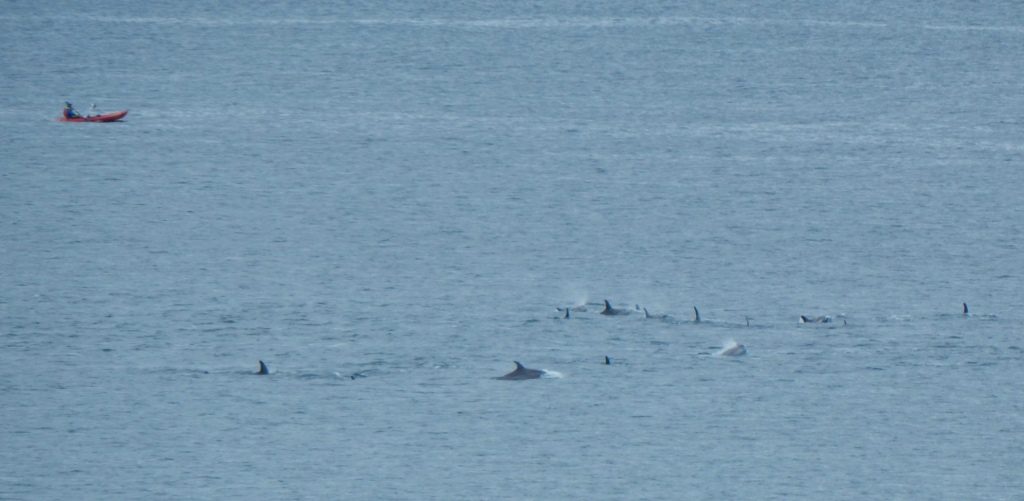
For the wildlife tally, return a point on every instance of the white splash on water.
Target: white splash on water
(732, 349)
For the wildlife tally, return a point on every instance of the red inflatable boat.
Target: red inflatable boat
(106, 117)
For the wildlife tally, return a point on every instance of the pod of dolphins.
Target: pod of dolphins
(732, 350)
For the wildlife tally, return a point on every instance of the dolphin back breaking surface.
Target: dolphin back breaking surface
(608, 310)
(521, 373)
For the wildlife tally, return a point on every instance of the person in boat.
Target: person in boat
(69, 111)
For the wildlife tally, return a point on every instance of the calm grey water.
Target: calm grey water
(387, 203)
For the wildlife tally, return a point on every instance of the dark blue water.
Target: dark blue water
(388, 203)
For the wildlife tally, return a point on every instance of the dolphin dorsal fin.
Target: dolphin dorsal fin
(566, 313)
(646, 315)
(696, 314)
(804, 319)
(607, 361)
(519, 366)
(263, 368)
(607, 305)
(965, 308)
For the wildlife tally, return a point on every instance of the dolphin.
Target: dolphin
(821, 319)
(733, 350)
(608, 310)
(648, 315)
(263, 369)
(522, 373)
(696, 315)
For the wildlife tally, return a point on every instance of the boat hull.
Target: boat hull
(106, 117)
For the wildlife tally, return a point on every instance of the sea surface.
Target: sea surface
(387, 202)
